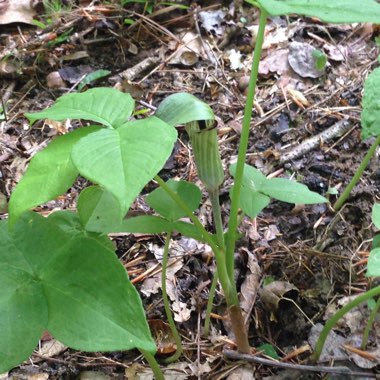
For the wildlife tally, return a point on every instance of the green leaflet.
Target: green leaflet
(69, 222)
(373, 265)
(91, 77)
(99, 210)
(183, 108)
(376, 215)
(124, 160)
(370, 117)
(49, 174)
(257, 190)
(70, 285)
(104, 105)
(337, 11)
(161, 202)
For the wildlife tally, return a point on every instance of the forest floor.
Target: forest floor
(305, 125)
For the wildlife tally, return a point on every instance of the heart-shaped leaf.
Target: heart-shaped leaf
(99, 210)
(161, 202)
(124, 160)
(337, 11)
(69, 222)
(72, 286)
(182, 108)
(23, 316)
(103, 105)
(49, 174)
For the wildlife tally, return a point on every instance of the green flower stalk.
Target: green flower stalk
(204, 141)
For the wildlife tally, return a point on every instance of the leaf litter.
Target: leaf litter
(320, 255)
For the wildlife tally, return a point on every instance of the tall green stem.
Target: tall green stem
(217, 216)
(355, 179)
(158, 375)
(371, 319)
(169, 316)
(335, 318)
(218, 252)
(210, 302)
(233, 220)
(228, 286)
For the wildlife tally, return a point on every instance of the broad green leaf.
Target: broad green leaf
(104, 105)
(289, 191)
(376, 241)
(257, 190)
(124, 160)
(373, 265)
(189, 230)
(70, 285)
(23, 314)
(69, 222)
(252, 177)
(183, 108)
(161, 201)
(145, 224)
(151, 224)
(92, 304)
(49, 174)
(370, 117)
(252, 202)
(376, 215)
(99, 210)
(336, 11)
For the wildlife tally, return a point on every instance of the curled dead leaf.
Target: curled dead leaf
(163, 336)
(274, 295)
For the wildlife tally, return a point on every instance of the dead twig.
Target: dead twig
(133, 72)
(234, 355)
(337, 129)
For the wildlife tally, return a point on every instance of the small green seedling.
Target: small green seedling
(370, 122)
(60, 273)
(320, 59)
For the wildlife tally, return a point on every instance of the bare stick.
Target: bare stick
(337, 129)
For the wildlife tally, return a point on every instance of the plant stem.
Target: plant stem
(177, 199)
(210, 302)
(335, 318)
(233, 220)
(158, 375)
(343, 197)
(169, 316)
(217, 216)
(218, 252)
(228, 286)
(367, 329)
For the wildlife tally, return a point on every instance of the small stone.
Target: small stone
(54, 80)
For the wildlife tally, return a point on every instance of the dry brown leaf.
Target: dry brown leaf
(16, 11)
(275, 62)
(302, 61)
